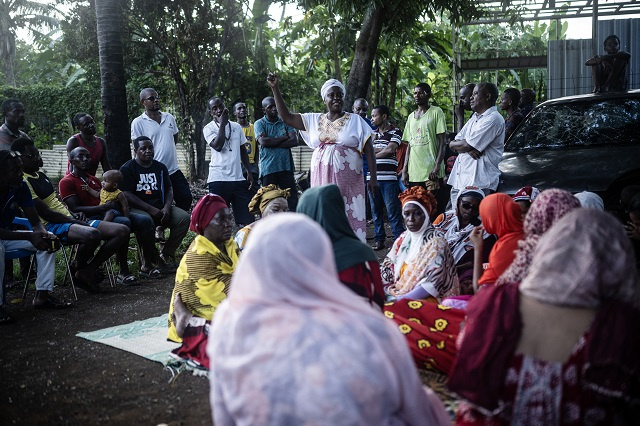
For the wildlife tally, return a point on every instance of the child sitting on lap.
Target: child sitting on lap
(110, 192)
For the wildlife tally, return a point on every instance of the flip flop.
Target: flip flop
(127, 280)
(152, 274)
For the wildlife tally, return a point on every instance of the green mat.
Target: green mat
(146, 338)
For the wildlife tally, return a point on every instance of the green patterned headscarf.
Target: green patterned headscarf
(325, 205)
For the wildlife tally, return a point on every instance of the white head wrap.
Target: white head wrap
(417, 238)
(329, 84)
(590, 200)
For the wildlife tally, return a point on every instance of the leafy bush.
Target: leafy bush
(50, 109)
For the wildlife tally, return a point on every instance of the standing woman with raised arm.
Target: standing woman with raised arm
(338, 139)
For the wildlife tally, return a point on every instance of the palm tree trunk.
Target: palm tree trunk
(117, 132)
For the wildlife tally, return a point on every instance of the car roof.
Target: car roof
(593, 96)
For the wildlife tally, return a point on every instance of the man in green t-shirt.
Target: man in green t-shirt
(424, 131)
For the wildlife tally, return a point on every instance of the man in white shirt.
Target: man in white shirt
(480, 144)
(228, 154)
(162, 129)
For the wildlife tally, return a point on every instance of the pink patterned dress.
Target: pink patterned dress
(337, 158)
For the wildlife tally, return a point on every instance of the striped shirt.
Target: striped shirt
(386, 167)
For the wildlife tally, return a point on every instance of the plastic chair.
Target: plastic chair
(25, 222)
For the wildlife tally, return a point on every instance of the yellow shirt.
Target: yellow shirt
(45, 187)
(106, 196)
(203, 279)
(250, 145)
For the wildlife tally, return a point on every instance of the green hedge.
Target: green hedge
(50, 109)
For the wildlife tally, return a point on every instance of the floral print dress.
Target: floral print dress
(337, 158)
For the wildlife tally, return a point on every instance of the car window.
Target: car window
(579, 124)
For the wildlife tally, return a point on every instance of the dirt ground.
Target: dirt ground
(52, 377)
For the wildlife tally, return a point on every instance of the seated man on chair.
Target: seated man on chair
(57, 219)
(14, 194)
(74, 192)
(147, 185)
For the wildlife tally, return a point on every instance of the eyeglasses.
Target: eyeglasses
(152, 98)
(469, 206)
(32, 156)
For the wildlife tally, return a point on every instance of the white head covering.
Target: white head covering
(584, 259)
(590, 200)
(417, 238)
(329, 84)
(292, 344)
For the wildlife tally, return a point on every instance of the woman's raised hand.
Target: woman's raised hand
(272, 79)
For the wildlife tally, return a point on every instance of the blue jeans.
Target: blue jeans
(400, 184)
(386, 196)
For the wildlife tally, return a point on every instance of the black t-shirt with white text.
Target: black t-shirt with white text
(147, 183)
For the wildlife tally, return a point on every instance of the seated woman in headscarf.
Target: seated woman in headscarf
(457, 226)
(202, 279)
(590, 200)
(357, 263)
(292, 345)
(268, 200)
(420, 264)
(502, 217)
(568, 351)
(420, 272)
(546, 210)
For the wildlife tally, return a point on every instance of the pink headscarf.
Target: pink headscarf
(204, 211)
(604, 269)
(546, 210)
(291, 343)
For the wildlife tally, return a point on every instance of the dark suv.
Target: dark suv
(578, 143)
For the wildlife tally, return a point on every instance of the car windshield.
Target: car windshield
(579, 124)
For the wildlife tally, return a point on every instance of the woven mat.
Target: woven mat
(146, 338)
(437, 382)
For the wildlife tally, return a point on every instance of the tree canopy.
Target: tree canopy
(190, 50)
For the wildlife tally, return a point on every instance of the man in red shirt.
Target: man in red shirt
(74, 192)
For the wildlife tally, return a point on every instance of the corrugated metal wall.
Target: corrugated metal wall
(628, 31)
(55, 160)
(567, 73)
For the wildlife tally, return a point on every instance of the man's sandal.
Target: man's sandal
(127, 280)
(152, 274)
